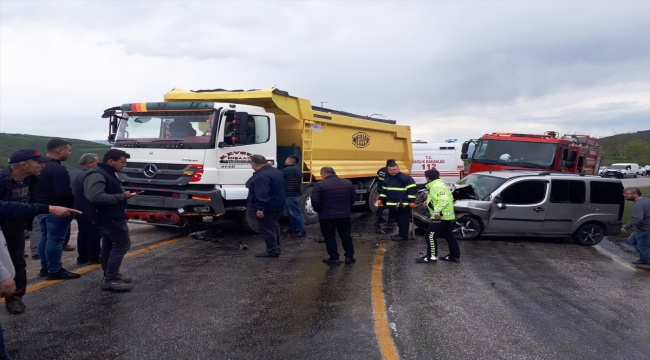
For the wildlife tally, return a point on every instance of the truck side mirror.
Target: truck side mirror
(464, 156)
(570, 164)
(464, 149)
(241, 123)
(113, 125)
(573, 154)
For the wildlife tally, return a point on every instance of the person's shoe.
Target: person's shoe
(425, 259)
(94, 262)
(267, 255)
(639, 262)
(81, 262)
(42, 273)
(299, 234)
(350, 259)
(398, 238)
(62, 274)
(15, 305)
(330, 261)
(123, 278)
(644, 266)
(450, 258)
(36, 257)
(116, 285)
(68, 248)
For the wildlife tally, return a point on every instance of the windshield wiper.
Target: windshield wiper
(135, 143)
(178, 143)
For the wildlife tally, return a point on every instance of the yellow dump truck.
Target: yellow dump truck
(190, 153)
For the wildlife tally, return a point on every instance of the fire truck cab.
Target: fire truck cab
(507, 151)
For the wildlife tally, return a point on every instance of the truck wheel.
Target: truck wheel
(373, 196)
(588, 235)
(311, 217)
(466, 228)
(248, 222)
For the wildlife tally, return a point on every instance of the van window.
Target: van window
(525, 193)
(568, 191)
(606, 192)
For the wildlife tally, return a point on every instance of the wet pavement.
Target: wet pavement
(211, 299)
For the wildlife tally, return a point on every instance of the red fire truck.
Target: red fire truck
(503, 151)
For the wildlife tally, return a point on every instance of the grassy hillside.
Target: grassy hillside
(615, 149)
(12, 142)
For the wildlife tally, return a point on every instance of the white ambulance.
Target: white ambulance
(444, 157)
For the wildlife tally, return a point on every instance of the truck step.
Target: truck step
(361, 202)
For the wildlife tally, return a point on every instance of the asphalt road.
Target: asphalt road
(211, 299)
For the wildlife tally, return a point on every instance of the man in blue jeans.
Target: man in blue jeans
(53, 188)
(105, 204)
(640, 219)
(292, 182)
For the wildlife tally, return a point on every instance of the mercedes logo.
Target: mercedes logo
(150, 170)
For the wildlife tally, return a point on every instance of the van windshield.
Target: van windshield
(483, 185)
(151, 129)
(618, 167)
(515, 153)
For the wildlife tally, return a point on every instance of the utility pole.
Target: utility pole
(323, 102)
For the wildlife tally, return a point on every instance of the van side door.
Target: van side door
(522, 209)
(566, 205)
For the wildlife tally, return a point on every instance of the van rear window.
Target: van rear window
(568, 191)
(606, 192)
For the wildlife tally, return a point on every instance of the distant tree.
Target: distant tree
(637, 150)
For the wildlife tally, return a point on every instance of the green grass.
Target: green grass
(12, 142)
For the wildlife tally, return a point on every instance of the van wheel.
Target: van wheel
(635, 175)
(248, 222)
(373, 196)
(311, 216)
(466, 228)
(589, 235)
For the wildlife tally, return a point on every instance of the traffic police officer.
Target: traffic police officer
(398, 194)
(440, 203)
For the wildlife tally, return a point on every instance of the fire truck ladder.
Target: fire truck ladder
(307, 150)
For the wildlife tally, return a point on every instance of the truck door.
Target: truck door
(241, 135)
(520, 208)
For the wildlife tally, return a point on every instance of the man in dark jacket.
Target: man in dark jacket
(54, 189)
(332, 199)
(18, 184)
(88, 236)
(381, 176)
(292, 182)
(398, 194)
(266, 199)
(105, 203)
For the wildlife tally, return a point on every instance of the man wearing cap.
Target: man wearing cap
(18, 184)
(54, 189)
(266, 199)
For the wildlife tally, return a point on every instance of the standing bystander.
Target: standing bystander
(88, 236)
(292, 182)
(332, 199)
(398, 195)
(640, 238)
(266, 199)
(18, 184)
(105, 203)
(53, 188)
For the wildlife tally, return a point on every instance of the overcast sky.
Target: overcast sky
(455, 69)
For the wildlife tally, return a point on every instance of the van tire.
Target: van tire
(466, 228)
(311, 217)
(371, 204)
(589, 234)
(248, 221)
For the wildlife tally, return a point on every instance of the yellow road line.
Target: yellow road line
(87, 269)
(382, 328)
(620, 261)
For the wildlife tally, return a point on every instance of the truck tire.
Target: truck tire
(373, 196)
(311, 217)
(248, 222)
(466, 228)
(588, 234)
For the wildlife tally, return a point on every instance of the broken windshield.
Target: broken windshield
(483, 185)
(149, 128)
(515, 153)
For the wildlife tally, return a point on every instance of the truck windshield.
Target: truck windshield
(515, 153)
(153, 129)
(483, 185)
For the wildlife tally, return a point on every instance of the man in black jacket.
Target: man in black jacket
(381, 176)
(54, 189)
(332, 199)
(105, 204)
(88, 237)
(292, 194)
(398, 194)
(18, 184)
(266, 199)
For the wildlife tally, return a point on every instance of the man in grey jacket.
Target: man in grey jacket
(640, 219)
(88, 236)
